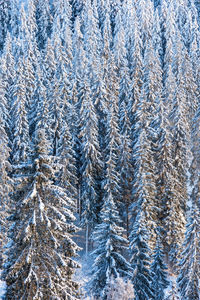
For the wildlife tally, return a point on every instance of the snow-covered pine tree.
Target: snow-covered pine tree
(144, 182)
(194, 49)
(20, 149)
(134, 45)
(8, 77)
(68, 175)
(5, 185)
(38, 109)
(4, 108)
(141, 258)
(92, 39)
(189, 266)
(180, 124)
(174, 189)
(158, 268)
(4, 21)
(90, 161)
(101, 88)
(44, 22)
(79, 57)
(40, 260)
(110, 245)
(123, 75)
(145, 13)
(115, 7)
(27, 49)
(14, 19)
(125, 167)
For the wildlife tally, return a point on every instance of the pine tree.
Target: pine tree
(4, 21)
(68, 175)
(5, 185)
(144, 182)
(41, 261)
(125, 166)
(109, 260)
(158, 269)
(8, 73)
(44, 23)
(188, 279)
(145, 13)
(140, 259)
(4, 108)
(90, 160)
(20, 149)
(38, 109)
(14, 19)
(174, 112)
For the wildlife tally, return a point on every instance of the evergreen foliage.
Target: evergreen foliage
(140, 260)
(40, 263)
(158, 268)
(99, 115)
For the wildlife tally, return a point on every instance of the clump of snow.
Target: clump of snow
(2, 289)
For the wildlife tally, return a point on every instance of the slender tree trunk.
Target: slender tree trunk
(79, 201)
(127, 220)
(86, 239)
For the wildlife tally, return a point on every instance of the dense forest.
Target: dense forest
(100, 141)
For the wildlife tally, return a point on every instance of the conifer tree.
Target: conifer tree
(109, 260)
(68, 175)
(90, 160)
(145, 132)
(189, 272)
(5, 185)
(41, 261)
(4, 21)
(188, 279)
(4, 108)
(44, 22)
(174, 111)
(158, 269)
(125, 166)
(8, 76)
(140, 259)
(14, 19)
(20, 149)
(145, 13)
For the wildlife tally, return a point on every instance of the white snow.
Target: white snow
(2, 289)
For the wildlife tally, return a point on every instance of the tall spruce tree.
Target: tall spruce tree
(44, 23)
(158, 268)
(141, 258)
(91, 161)
(4, 21)
(20, 149)
(109, 260)
(189, 272)
(40, 263)
(5, 185)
